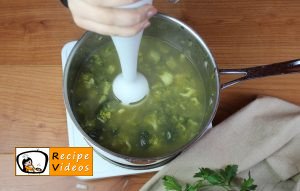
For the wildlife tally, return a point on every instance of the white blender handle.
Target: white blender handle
(137, 4)
(130, 86)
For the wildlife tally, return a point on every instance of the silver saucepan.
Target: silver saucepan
(186, 40)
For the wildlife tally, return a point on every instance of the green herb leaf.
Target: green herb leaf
(194, 187)
(248, 184)
(171, 184)
(213, 177)
(189, 187)
(229, 173)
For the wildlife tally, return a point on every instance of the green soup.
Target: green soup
(168, 118)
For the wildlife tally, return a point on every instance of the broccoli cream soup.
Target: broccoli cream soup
(168, 118)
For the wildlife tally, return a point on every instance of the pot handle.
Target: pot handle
(287, 67)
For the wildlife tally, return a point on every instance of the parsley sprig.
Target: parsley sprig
(208, 178)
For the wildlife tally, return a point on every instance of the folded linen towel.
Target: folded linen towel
(263, 137)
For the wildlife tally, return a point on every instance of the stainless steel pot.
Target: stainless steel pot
(182, 37)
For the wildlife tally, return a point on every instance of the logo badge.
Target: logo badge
(55, 161)
(32, 161)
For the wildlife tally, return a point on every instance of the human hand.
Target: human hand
(103, 16)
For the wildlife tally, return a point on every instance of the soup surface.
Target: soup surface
(168, 118)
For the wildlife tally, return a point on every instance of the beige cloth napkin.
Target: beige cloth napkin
(263, 137)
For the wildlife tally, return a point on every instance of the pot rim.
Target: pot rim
(182, 148)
